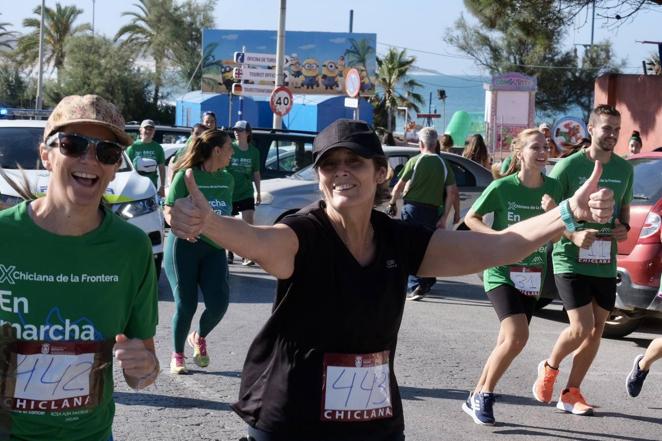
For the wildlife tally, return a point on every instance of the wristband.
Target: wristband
(566, 216)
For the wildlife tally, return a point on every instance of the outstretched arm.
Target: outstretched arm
(452, 253)
(273, 248)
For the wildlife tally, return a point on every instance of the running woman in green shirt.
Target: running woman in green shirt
(513, 289)
(585, 262)
(189, 265)
(82, 285)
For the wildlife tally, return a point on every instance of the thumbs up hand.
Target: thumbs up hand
(589, 203)
(188, 215)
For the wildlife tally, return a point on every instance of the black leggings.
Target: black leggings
(259, 435)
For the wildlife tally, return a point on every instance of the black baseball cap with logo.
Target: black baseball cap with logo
(354, 135)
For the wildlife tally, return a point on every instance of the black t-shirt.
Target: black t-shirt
(331, 305)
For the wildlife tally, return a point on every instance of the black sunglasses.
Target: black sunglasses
(75, 146)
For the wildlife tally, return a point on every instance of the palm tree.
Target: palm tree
(147, 33)
(58, 26)
(396, 89)
(6, 36)
(358, 54)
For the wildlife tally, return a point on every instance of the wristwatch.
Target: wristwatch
(626, 225)
(566, 216)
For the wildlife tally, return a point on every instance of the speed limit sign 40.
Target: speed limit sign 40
(281, 101)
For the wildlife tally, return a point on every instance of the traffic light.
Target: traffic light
(441, 94)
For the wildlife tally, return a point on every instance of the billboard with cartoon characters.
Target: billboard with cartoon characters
(318, 61)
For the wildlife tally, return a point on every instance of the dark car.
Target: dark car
(294, 146)
(639, 258)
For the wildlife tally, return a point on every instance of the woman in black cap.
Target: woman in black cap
(321, 368)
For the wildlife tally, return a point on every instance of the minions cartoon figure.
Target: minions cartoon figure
(296, 74)
(366, 84)
(341, 72)
(311, 73)
(329, 75)
(227, 79)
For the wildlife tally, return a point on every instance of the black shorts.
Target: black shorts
(508, 301)
(243, 205)
(577, 290)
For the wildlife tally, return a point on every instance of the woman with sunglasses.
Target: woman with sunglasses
(513, 289)
(202, 264)
(322, 365)
(90, 292)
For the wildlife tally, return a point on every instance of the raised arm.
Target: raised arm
(452, 253)
(273, 248)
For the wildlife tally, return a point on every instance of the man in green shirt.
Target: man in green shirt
(147, 148)
(429, 188)
(585, 261)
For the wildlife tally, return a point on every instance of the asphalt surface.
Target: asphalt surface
(444, 341)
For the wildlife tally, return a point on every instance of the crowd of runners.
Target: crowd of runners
(321, 368)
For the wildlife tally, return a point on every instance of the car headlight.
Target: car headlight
(7, 201)
(266, 197)
(129, 210)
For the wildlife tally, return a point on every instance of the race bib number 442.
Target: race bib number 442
(56, 376)
(356, 387)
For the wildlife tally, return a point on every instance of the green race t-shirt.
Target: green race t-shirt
(244, 164)
(571, 173)
(149, 150)
(429, 175)
(512, 202)
(217, 188)
(63, 299)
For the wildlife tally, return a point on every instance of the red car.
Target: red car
(639, 257)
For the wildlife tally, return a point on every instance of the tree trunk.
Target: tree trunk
(389, 119)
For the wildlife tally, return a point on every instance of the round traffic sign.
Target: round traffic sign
(281, 101)
(353, 83)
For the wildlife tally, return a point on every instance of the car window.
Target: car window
(19, 147)
(397, 163)
(288, 156)
(463, 177)
(647, 184)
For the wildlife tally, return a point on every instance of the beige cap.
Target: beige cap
(91, 109)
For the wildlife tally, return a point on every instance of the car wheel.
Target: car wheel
(158, 260)
(619, 324)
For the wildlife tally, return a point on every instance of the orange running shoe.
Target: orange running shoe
(573, 401)
(543, 388)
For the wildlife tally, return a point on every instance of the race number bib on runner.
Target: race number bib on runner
(600, 252)
(356, 387)
(56, 376)
(527, 280)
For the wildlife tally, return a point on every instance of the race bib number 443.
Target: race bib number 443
(356, 387)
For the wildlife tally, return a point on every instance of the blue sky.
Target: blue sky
(418, 25)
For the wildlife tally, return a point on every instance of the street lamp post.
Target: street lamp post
(40, 78)
(441, 96)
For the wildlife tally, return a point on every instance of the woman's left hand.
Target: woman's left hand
(188, 215)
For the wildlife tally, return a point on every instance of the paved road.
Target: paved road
(444, 341)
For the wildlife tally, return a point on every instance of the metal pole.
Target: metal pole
(430, 111)
(280, 57)
(40, 79)
(593, 25)
(94, 2)
(240, 112)
(351, 21)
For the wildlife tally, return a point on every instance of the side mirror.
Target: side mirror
(145, 165)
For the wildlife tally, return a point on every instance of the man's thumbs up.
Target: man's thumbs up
(589, 203)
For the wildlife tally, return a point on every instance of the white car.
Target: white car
(130, 195)
(284, 196)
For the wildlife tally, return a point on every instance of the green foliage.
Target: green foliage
(58, 27)
(96, 66)
(6, 36)
(525, 36)
(14, 88)
(395, 89)
(186, 47)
